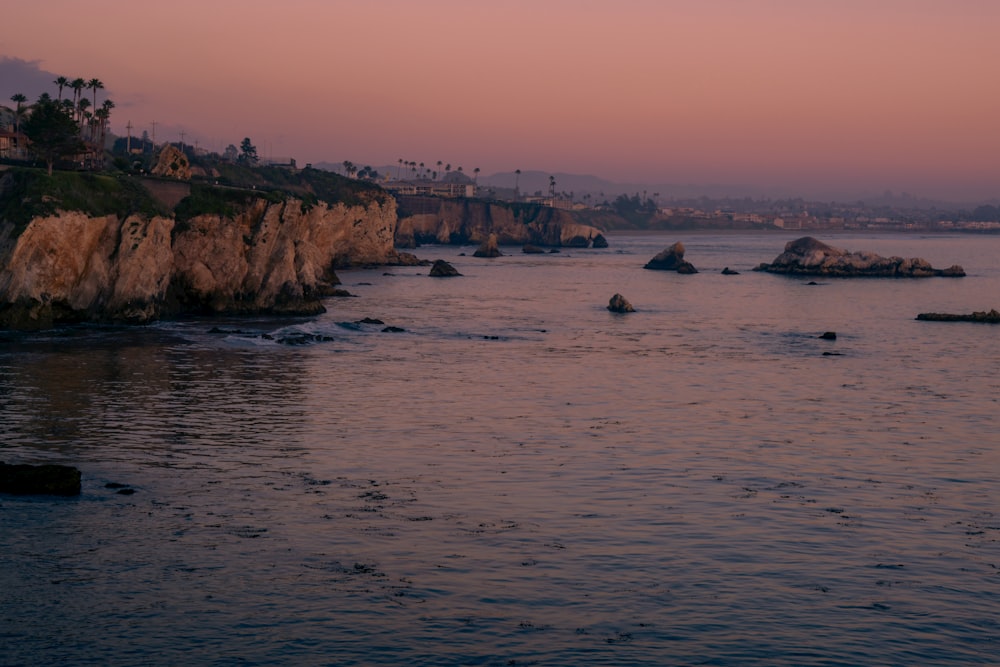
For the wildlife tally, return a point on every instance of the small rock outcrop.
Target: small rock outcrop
(619, 304)
(729, 272)
(530, 249)
(990, 317)
(671, 259)
(807, 256)
(442, 269)
(829, 335)
(48, 479)
(489, 248)
(599, 241)
(172, 163)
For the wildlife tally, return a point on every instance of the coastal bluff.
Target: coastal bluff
(472, 221)
(265, 257)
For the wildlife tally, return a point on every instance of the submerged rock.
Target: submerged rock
(991, 317)
(489, 248)
(671, 259)
(807, 256)
(48, 479)
(619, 304)
(829, 335)
(729, 272)
(442, 269)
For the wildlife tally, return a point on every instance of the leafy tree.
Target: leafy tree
(231, 154)
(53, 133)
(248, 153)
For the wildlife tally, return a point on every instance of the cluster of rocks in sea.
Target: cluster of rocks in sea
(985, 317)
(810, 257)
(671, 259)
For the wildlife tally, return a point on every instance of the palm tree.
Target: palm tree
(421, 170)
(77, 85)
(399, 170)
(439, 168)
(95, 84)
(62, 82)
(476, 173)
(517, 176)
(19, 99)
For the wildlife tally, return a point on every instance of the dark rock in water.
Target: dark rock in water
(553, 251)
(671, 259)
(829, 335)
(991, 317)
(442, 269)
(619, 304)
(812, 282)
(48, 479)
(391, 329)
(600, 242)
(490, 248)
(529, 249)
(807, 256)
(126, 491)
(370, 320)
(729, 272)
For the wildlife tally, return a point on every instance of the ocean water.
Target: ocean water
(518, 476)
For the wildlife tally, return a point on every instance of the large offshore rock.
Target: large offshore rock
(810, 257)
(671, 259)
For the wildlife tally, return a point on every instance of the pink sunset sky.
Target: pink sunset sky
(794, 95)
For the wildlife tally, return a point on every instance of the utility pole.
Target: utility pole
(182, 140)
(128, 142)
(154, 135)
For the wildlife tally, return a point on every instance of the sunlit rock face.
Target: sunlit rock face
(271, 258)
(807, 256)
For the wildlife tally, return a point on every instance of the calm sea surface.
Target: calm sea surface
(521, 477)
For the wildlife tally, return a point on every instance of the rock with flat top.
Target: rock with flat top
(810, 257)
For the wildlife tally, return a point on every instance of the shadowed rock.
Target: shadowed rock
(442, 269)
(490, 248)
(529, 249)
(991, 317)
(619, 304)
(729, 272)
(829, 335)
(671, 259)
(48, 479)
(600, 242)
(807, 256)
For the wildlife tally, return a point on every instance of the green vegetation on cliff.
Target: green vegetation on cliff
(29, 193)
(310, 185)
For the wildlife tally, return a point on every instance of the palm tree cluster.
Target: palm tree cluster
(422, 171)
(94, 120)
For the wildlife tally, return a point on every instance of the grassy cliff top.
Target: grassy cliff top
(31, 193)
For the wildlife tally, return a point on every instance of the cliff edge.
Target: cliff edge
(268, 255)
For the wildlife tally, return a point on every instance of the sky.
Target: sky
(790, 96)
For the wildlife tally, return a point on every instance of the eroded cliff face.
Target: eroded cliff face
(470, 221)
(272, 258)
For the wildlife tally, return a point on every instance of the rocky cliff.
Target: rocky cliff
(435, 220)
(269, 257)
